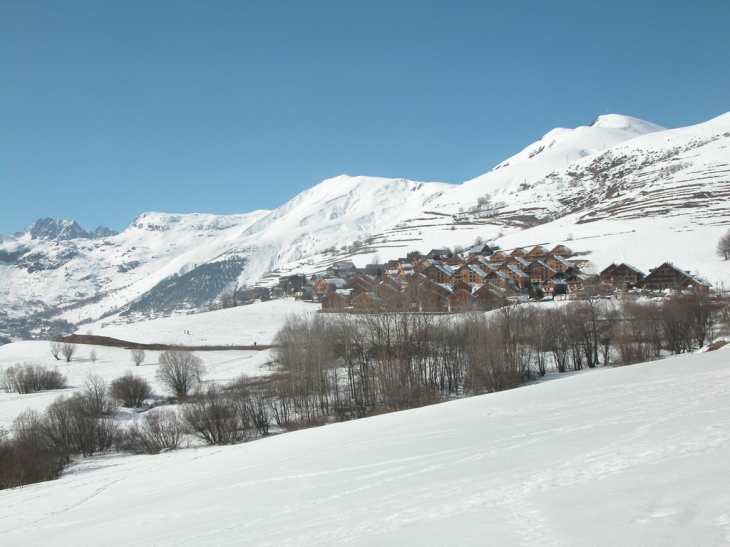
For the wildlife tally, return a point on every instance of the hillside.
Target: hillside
(629, 456)
(618, 190)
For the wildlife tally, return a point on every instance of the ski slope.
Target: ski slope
(636, 455)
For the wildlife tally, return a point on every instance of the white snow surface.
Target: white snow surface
(637, 455)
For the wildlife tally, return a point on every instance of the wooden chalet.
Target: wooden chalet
(461, 300)
(539, 271)
(497, 256)
(518, 261)
(367, 302)
(561, 250)
(481, 249)
(623, 277)
(668, 276)
(499, 279)
(537, 252)
(461, 284)
(490, 297)
(433, 301)
(559, 263)
(335, 301)
(471, 274)
(520, 278)
(440, 273)
(456, 261)
(519, 251)
(555, 285)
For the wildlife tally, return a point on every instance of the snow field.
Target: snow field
(629, 456)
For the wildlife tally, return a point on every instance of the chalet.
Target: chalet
(539, 271)
(559, 263)
(455, 261)
(305, 293)
(555, 285)
(624, 276)
(562, 251)
(497, 256)
(367, 302)
(520, 278)
(404, 270)
(481, 249)
(520, 262)
(668, 276)
(432, 301)
(500, 279)
(325, 285)
(438, 254)
(335, 301)
(471, 274)
(359, 285)
(461, 284)
(576, 282)
(490, 297)
(290, 283)
(461, 300)
(537, 252)
(440, 273)
(518, 252)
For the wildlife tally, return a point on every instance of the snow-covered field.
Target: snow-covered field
(240, 326)
(636, 455)
(234, 326)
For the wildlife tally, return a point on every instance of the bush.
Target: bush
(216, 418)
(180, 371)
(130, 390)
(29, 378)
(155, 431)
(27, 457)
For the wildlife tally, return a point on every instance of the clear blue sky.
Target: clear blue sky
(110, 109)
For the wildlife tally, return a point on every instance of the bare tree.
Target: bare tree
(130, 390)
(723, 246)
(68, 350)
(155, 431)
(180, 371)
(138, 356)
(56, 350)
(93, 356)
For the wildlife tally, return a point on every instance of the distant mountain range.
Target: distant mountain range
(621, 189)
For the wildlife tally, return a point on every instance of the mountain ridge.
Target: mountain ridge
(571, 184)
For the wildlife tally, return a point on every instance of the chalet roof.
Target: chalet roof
(629, 267)
(565, 262)
(337, 282)
(519, 251)
(480, 249)
(520, 261)
(367, 296)
(517, 271)
(538, 249)
(497, 256)
(346, 265)
(559, 249)
(608, 269)
(541, 263)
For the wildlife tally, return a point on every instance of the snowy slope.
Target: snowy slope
(630, 456)
(555, 150)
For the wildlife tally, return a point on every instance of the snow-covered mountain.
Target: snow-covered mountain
(620, 189)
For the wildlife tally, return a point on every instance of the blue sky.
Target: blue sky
(110, 109)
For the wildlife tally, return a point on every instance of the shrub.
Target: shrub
(216, 418)
(29, 378)
(28, 457)
(155, 431)
(180, 371)
(130, 390)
